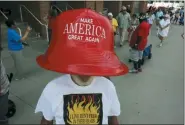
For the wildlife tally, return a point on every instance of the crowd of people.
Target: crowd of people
(138, 29)
(82, 69)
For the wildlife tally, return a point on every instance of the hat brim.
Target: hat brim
(96, 63)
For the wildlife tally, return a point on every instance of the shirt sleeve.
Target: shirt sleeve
(45, 107)
(15, 36)
(115, 22)
(115, 104)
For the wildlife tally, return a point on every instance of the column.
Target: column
(99, 6)
(90, 4)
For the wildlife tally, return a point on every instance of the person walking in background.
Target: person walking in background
(124, 20)
(49, 19)
(159, 14)
(151, 18)
(138, 43)
(128, 9)
(164, 25)
(181, 21)
(4, 92)
(133, 26)
(177, 15)
(181, 11)
(15, 45)
(114, 24)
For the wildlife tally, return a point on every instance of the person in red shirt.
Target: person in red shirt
(138, 43)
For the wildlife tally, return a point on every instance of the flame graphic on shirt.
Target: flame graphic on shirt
(83, 112)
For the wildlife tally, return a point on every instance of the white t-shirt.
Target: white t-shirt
(163, 23)
(151, 19)
(67, 103)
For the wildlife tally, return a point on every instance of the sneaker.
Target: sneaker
(160, 45)
(133, 71)
(139, 70)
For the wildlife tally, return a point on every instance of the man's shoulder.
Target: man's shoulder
(128, 14)
(114, 20)
(11, 31)
(102, 81)
(120, 14)
(53, 85)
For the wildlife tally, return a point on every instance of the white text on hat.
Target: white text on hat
(84, 30)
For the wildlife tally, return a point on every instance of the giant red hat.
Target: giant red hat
(83, 44)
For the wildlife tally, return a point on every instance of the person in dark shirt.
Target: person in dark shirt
(128, 9)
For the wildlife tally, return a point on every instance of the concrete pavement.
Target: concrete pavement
(154, 96)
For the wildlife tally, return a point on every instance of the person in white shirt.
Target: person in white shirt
(81, 96)
(158, 16)
(151, 18)
(164, 25)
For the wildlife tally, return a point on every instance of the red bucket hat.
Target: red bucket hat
(83, 44)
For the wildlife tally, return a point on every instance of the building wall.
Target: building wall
(14, 6)
(99, 6)
(113, 6)
(95, 5)
(135, 6)
(90, 4)
(34, 7)
(143, 6)
(44, 9)
(76, 4)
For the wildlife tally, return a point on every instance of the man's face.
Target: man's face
(124, 11)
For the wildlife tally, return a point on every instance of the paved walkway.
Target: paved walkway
(154, 96)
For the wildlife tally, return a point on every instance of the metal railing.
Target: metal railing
(45, 25)
(56, 8)
(20, 33)
(67, 5)
(105, 11)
